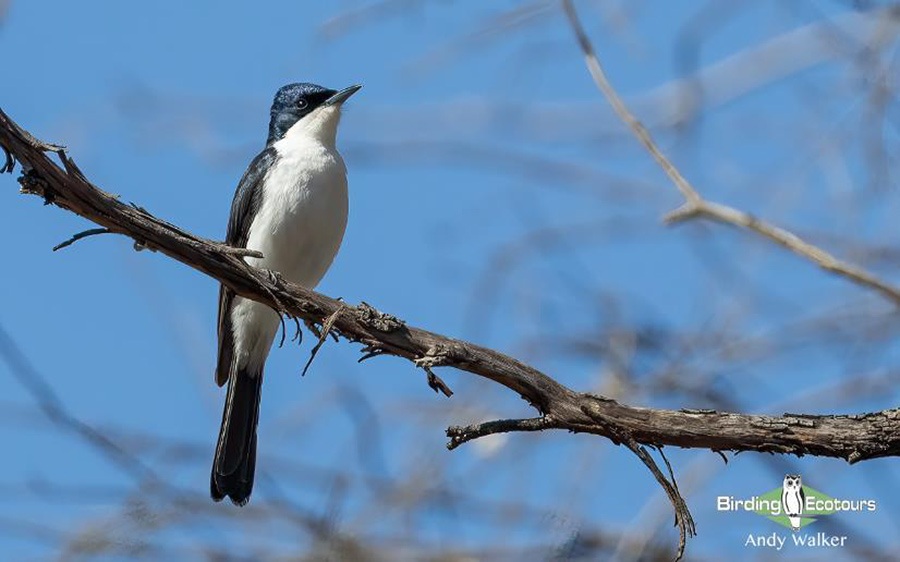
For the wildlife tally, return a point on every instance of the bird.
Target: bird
(793, 499)
(291, 205)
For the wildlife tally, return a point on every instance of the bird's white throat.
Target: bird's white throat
(320, 125)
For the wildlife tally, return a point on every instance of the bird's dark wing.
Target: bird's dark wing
(243, 209)
(246, 197)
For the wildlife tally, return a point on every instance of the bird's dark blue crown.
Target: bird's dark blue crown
(290, 95)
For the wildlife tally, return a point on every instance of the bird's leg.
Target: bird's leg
(273, 276)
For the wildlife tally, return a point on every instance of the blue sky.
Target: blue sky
(463, 140)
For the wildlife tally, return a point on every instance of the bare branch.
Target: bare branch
(80, 235)
(459, 435)
(434, 358)
(54, 409)
(242, 252)
(786, 239)
(696, 206)
(851, 437)
(326, 329)
(683, 519)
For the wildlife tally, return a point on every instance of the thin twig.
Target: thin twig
(242, 252)
(54, 409)
(371, 351)
(435, 356)
(436, 383)
(323, 336)
(695, 205)
(80, 235)
(463, 434)
(683, 519)
(786, 239)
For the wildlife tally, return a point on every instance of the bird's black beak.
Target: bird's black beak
(342, 96)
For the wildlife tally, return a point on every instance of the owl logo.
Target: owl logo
(793, 499)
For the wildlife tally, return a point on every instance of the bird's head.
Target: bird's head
(307, 109)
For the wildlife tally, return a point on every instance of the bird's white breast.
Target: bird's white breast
(303, 212)
(298, 227)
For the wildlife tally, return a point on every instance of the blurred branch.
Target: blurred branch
(851, 437)
(844, 37)
(52, 407)
(357, 16)
(695, 206)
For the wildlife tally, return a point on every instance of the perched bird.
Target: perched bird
(291, 205)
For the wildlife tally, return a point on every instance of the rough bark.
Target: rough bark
(853, 437)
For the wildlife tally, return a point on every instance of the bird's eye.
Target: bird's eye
(302, 103)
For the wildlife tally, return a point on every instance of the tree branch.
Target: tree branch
(695, 206)
(79, 236)
(851, 437)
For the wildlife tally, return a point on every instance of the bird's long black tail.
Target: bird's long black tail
(235, 460)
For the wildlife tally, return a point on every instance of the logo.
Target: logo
(794, 506)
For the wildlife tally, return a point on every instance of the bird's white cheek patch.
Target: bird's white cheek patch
(321, 125)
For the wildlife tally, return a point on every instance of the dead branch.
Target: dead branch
(79, 236)
(851, 437)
